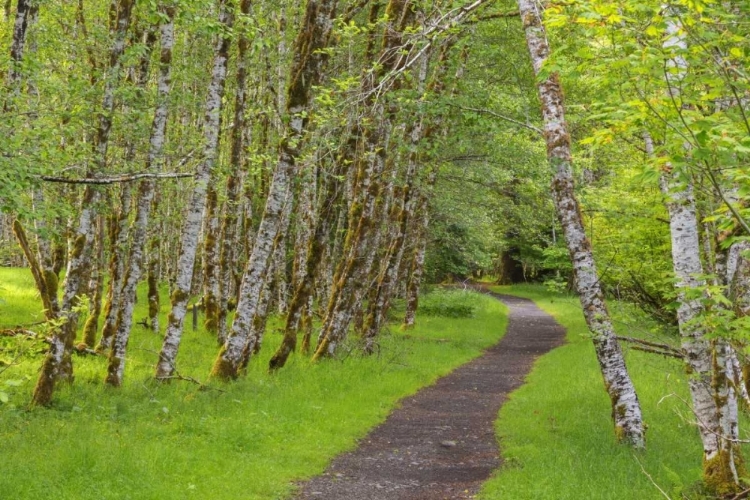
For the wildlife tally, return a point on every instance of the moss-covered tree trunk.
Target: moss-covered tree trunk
(714, 403)
(300, 305)
(154, 302)
(118, 244)
(211, 266)
(57, 364)
(96, 284)
(46, 251)
(626, 409)
(144, 204)
(360, 246)
(26, 15)
(203, 177)
(416, 268)
(350, 279)
(306, 72)
(233, 204)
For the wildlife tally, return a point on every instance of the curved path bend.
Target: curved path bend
(440, 443)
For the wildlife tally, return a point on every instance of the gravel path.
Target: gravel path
(440, 443)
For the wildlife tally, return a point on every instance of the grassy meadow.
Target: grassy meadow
(556, 434)
(253, 438)
(245, 440)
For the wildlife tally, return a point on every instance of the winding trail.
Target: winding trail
(440, 443)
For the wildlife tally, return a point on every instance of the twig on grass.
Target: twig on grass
(651, 479)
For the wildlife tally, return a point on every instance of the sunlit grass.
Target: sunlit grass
(556, 434)
(174, 441)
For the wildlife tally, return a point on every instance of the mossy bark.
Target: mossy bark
(211, 265)
(626, 410)
(204, 177)
(233, 206)
(306, 72)
(361, 242)
(118, 238)
(96, 284)
(300, 303)
(144, 205)
(36, 271)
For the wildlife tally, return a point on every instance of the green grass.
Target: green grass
(150, 441)
(556, 434)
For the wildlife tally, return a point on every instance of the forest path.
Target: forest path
(440, 443)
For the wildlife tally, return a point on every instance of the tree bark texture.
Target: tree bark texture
(118, 237)
(191, 230)
(714, 404)
(58, 364)
(233, 205)
(304, 289)
(360, 245)
(626, 410)
(306, 72)
(116, 365)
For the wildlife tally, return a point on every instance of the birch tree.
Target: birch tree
(626, 410)
(203, 178)
(116, 366)
(306, 72)
(58, 364)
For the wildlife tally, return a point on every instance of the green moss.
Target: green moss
(718, 476)
(179, 296)
(78, 246)
(52, 282)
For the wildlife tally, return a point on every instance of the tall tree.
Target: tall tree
(626, 410)
(203, 179)
(306, 72)
(116, 367)
(58, 364)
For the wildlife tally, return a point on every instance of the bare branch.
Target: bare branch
(117, 179)
(502, 117)
(655, 345)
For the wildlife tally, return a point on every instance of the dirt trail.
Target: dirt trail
(440, 443)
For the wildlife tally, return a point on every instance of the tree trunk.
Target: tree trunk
(713, 401)
(363, 234)
(118, 237)
(306, 72)
(626, 410)
(233, 205)
(96, 283)
(304, 289)
(191, 230)
(57, 364)
(116, 365)
(211, 266)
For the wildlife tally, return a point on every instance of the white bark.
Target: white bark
(118, 250)
(305, 73)
(116, 368)
(626, 409)
(191, 230)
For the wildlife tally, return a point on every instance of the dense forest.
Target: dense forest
(309, 171)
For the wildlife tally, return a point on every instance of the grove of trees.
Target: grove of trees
(320, 160)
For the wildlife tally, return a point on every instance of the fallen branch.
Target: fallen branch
(83, 349)
(17, 332)
(178, 376)
(643, 469)
(115, 180)
(654, 345)
(657, 351)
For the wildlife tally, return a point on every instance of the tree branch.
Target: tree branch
(502, 117)
(115, 180)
